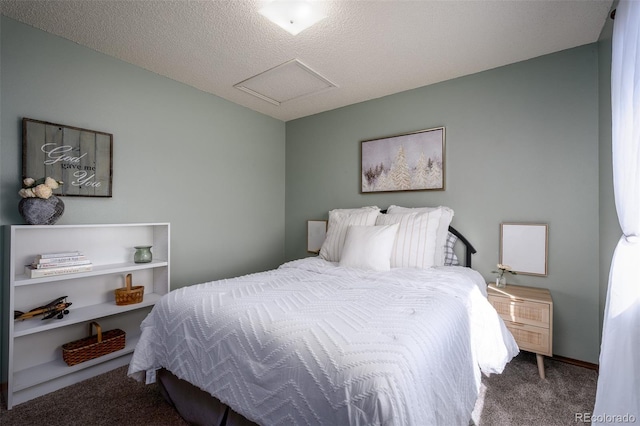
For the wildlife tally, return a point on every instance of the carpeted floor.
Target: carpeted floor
(516, 397)
(111, 399)
(519, 397)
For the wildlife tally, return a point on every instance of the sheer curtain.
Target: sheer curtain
(618, 391)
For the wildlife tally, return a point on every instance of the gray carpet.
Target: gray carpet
(519, 396)
(516, 397)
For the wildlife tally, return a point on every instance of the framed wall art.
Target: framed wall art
(408, 162)
(81, 158)
(524, 247)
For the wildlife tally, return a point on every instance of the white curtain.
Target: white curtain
(618, 393)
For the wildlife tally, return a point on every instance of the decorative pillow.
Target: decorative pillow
(339, 221)
(450, 258)
(369, 247)
(416, 244)
(443, 228)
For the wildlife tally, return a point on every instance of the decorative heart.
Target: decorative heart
(38, 211)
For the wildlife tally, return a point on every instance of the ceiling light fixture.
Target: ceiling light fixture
(293, 15)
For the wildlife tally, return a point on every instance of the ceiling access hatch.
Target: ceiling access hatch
(285, 82)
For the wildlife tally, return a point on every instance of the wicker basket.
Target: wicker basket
(93, 346)
(129, 295)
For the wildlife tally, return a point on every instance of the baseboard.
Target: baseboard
(577, 362)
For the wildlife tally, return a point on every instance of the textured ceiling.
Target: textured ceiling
(369, 49)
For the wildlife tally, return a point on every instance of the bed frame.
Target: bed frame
(468, 248)
(198, 407)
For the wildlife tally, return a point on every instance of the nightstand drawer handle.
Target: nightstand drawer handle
(517, 300)
(517, 323)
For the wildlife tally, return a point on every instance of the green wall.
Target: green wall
(525, 142)
(522, 145)
(213, 169)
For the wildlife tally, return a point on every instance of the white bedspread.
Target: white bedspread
(314, 343)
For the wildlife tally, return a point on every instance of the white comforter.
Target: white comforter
(314, 343)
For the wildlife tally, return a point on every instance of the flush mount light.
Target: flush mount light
(293, 15)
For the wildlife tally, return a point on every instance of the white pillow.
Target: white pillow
(443, 227)
(416, 243)
(339, 220)
(369, 247)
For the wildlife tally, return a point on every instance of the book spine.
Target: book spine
(59, 259)
(38, 273)
(60, 264)
(60, 254)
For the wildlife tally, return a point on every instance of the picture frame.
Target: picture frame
(316, 233)
(524, 247)
(408, 162)
(81, 158)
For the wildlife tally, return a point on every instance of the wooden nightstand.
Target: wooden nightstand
(528, 314)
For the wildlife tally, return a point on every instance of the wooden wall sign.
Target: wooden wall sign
(81, 158)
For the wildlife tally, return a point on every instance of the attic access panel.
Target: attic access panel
(288, 81)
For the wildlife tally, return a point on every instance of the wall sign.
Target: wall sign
(81, 158)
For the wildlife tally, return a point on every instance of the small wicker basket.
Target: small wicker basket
(129, 295)
(93, 346)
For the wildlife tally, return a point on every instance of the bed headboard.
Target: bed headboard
(468, 248)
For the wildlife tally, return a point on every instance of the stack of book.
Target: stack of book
(50, 264)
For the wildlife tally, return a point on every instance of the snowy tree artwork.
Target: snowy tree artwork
(409, 162)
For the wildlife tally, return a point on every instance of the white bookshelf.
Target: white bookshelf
(34, 349)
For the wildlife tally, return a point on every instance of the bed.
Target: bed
(320, 342)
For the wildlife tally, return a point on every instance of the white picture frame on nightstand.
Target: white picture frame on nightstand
(524, 247)
(316, 233)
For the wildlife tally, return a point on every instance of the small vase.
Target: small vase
(501, 282)
(142, 254)
(40, 211)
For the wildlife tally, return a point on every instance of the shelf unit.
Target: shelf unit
(34, 364)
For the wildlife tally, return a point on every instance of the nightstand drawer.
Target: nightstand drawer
(521, 311)
(532, 339)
